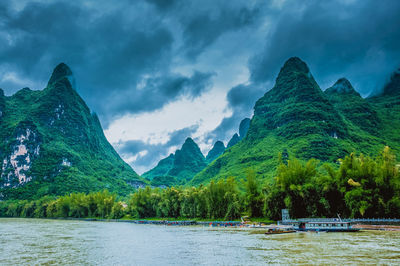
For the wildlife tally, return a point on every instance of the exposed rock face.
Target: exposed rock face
(52, 137)
(24, 148)
(215, 152)
(235, 139)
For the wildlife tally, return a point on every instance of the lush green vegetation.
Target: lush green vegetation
(65, 150)
(360, 186)
(182, 165)
(298, 117)
(78, 205)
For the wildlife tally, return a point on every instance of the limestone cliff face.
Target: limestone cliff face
(23, 149)
(51, 143)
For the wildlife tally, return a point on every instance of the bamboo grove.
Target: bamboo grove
(359, 186)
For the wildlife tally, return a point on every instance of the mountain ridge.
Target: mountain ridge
(55, 145)
(298, 118)
(183, 165)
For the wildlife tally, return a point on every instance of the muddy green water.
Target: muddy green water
(35, 241)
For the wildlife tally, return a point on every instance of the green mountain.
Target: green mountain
(181, 166)
(298, 118)
(233, 141)
(351, 105)
(244, 127)
(393, 87)
(215, 152)
(387, 106)
(52, 144)
(162, 168)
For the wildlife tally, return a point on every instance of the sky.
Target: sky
(159, 71)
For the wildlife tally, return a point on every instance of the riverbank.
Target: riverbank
(167, 221)
(182, 222)
(377, 227)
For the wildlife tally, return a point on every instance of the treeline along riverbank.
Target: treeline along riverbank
(360, 186)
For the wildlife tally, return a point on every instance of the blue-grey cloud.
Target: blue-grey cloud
(335, 38)
(153, 93)
(137, 56)
(203, 30)
(163, 4)
(154, 152)
(241, 99)
(356, 39)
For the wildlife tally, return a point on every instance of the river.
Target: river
(37, 241)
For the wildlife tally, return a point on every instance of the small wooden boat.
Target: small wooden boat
(281, 231)
(274, 230)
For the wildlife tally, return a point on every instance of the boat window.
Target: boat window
(319, 224)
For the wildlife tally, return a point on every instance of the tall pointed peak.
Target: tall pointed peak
(219, 144)
(235, 139)
(216, 151)
(294, 64)
(342, 86)
(189, 140)
(244, 127)
(294, 78)
(61, 71)
(190, 144)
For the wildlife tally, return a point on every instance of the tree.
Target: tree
(254, 197)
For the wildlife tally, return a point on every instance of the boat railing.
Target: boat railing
(354, 220)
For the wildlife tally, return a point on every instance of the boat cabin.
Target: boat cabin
(326, 226)
(320, 226)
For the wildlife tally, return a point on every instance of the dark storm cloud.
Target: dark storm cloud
(109, 53)
(158, 91)
(203, 30)
(154, 152)
(129, 56)
(162, 4)
(356, 39)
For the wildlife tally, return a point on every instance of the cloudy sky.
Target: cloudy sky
(158, 71)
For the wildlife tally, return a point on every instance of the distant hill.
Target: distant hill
(215, 152)
(51, 144)
(297, 118)
(169, 171)
(182, 165)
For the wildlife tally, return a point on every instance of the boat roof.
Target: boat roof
(330, 222)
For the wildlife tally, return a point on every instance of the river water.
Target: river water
(36, 241)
